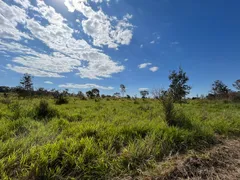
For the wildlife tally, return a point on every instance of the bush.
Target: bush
(61, 97)
(16, 109)
(43, 110)
(234, 96)
(168, 109)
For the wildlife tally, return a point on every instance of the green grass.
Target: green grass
(105, 139)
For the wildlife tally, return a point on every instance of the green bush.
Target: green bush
(44, 111)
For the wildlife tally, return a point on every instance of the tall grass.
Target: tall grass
(105, 139)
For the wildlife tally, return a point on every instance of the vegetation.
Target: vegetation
(58, 135)
(144, 93)
(178, 87)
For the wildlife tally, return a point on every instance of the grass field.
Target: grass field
(104, 139)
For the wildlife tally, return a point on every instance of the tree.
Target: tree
(123, 89)
(26, 82)
(81, 95)
(158, 93)
(237, 84)
(89, 94)
(96, 92)
(219, 89)
(144, 93)
(116, 94)
(178, 87)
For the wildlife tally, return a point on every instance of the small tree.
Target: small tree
(178, 87)
(96, 92)
(89, 94)
(61, 97)
(144, 93)
(236, 84)
(123, 89)
(219, 89)
(26, 82)
(81, 95)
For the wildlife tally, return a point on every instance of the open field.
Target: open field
(106, 138)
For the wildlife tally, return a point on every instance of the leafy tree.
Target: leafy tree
(89, 94)
(123, 89)
(96, 92)
(144, 93)
(237, 84)
(26, 82)
(178, 87)
(219, 89)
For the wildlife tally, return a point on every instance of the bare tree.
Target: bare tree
(158, 93)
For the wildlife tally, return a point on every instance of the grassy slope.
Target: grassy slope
(105, 139)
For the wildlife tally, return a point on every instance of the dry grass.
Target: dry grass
(220, 162)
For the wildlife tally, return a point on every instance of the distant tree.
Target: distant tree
(236, 84)
(26, 82)
(219, 89)
(158, 93)
(61, 97)
(41, 92)
(103, 96)
(89, 94)
(178, 87)
(123, 89)
(128, 97)
(81, 95)
(96, 92)
(116, 94)
(144, 93)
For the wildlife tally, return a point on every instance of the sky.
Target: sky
(85, 44)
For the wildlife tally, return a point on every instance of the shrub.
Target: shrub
(43, 110)
(61, 97)
(16, 109)
(168, 108)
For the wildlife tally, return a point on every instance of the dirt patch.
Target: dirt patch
(221, 162)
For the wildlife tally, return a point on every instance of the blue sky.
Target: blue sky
(82, 44)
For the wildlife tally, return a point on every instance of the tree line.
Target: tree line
(178, 90)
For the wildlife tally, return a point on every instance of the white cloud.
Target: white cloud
(68, 54)
(153, 69)
(104, 29)
(32, 71)
(143, 89)
(144, 65)
(158, 37)
(84, 86)
(48, 82)
(126, 59)
(10, 17)
(141, 46)
(152, 42)
(175, 43)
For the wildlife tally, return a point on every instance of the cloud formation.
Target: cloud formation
(48, 82)
(62, 52)
(143, 89)
(99, 26)
(144, 65)
(84, 86)
(153, 69)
